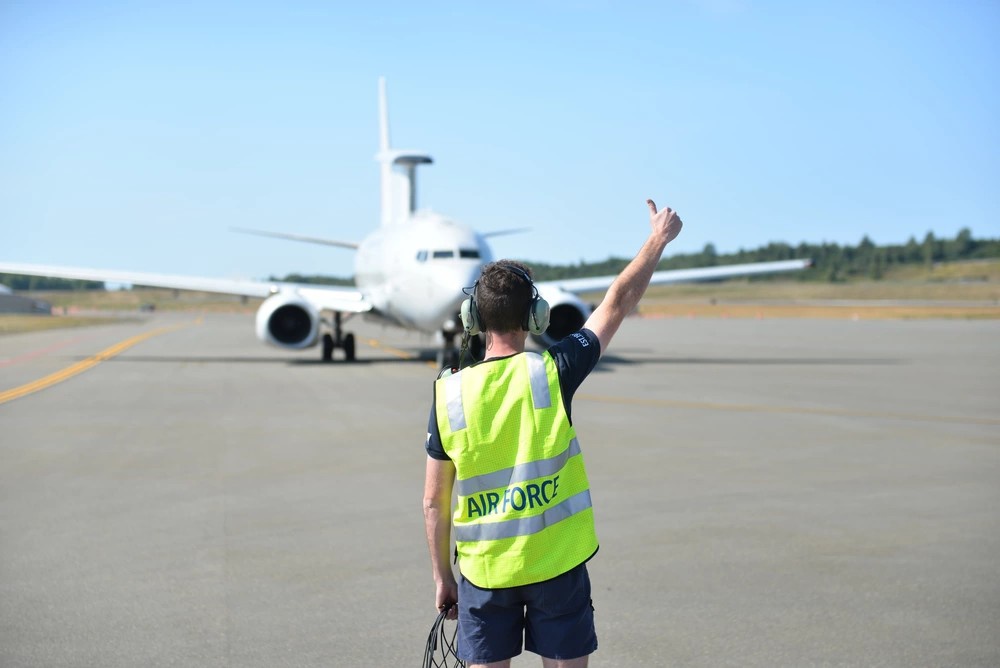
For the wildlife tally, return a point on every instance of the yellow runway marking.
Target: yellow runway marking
(402, 354)
(375, 343)
(89, 363)
(757, 408)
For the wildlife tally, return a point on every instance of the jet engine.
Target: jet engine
(287, 320)
(567, 313)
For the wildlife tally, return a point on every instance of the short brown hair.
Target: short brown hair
(503, 296)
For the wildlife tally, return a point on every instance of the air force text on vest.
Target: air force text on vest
(517, 497)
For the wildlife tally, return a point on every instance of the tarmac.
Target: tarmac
(767, 493)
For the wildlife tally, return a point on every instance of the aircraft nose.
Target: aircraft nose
(455, 278)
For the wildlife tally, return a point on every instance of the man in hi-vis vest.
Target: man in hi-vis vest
(500, 439)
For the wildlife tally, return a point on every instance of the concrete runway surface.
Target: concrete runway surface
(768, 493)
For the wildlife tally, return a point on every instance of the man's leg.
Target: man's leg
(580, 662)
(560, 620)
(490, 625)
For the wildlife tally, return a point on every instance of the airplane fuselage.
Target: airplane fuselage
(411, 271)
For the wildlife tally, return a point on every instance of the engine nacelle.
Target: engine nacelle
(287, 320)
(567, 313)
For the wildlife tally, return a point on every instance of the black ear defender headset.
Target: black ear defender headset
(536, 318)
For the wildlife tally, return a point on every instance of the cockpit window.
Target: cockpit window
(438, 254)
(469, 253)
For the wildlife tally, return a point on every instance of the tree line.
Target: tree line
(831, 262)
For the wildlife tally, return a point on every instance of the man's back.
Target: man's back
(498, 503)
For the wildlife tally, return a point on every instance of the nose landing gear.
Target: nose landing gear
(449, 356)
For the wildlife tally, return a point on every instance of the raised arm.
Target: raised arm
(624, 294)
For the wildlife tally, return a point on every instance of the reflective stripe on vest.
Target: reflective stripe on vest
(519, 473)
(456, 411)
(526, 525)
(537, 378)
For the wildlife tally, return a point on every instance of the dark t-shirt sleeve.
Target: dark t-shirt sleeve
(575, 357)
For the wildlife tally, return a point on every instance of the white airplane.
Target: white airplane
(409, 272)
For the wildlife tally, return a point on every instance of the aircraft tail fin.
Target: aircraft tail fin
(398, 170)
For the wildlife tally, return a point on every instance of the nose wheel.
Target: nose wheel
(449, 356)
(337, 339)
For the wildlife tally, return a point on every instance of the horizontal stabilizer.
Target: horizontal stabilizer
(296, 237)
(408, 158)
(500, 233)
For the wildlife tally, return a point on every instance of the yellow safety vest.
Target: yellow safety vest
(524, 513)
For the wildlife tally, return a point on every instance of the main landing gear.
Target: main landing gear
(337, 339)
(448, 357)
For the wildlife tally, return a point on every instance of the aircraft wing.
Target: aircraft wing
(323, 297)
(598, 283)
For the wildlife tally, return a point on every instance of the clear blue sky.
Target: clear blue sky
(134, 134)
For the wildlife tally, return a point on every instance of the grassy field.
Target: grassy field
(145, 298)
(957, 290)
(969, 290)
(11, 323)
(847, 311)
(957, 281)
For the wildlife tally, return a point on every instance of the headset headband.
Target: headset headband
(518, 271)
(536, 319)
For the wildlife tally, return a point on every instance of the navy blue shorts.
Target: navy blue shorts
(555, 619)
